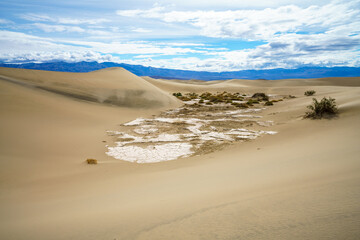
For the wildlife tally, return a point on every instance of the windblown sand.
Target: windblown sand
(301, 183)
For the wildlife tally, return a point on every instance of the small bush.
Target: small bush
(268, 103)
(177, 94)
(325, 108)
(201, 101)
(251, 102)
(242, 105)
(91, 161)
(309, 93)
(261, 96)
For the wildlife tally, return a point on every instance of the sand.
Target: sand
(301, 183)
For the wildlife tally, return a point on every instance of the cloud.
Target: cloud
(61, 20)
(58, 28)
(5, 21)
(141, 30)
(261, 24)
(17, 45)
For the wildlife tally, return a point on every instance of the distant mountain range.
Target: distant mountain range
(270, 74)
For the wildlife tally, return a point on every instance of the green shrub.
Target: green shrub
(192, 95)
(201, 101)
(177, 94)
(309, 93)
(325, 108)
(242, 105)
(268, 103)
(91, 161)
(260, 96)
(252, 101)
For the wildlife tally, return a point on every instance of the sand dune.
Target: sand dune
(302, 183)
(114, 86)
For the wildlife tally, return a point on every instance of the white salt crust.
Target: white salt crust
(152, 147)
(151, 153)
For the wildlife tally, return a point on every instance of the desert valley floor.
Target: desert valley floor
(258, 173)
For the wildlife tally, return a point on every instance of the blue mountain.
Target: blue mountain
(270, 74)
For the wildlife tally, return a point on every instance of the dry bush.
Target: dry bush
(260, 96)
(309, 93)
(91, 161)
(325, 108)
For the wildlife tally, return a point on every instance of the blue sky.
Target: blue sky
(211, 35)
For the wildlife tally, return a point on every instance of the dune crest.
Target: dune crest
(113, 86)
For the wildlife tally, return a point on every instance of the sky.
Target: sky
(201, 35)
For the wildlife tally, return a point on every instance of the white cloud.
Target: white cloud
(58, 28)
(5, 21)
(135, 48)
(260, 24)
(141, 30)
(61, 20)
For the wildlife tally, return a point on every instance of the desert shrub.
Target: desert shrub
(192, 95)
(242, 105)
(252, 101)
(260, 96)
(268, 103)
(216, 99)
(205, 95)
(309, 93)
(177, 94)
(209, 103)
(201, 101)
(325, 108)
(183, 98)
(91, 161)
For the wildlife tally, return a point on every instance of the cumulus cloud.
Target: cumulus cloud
(261, 24)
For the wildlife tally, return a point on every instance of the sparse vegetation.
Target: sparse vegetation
(238, 100)
(91, 161)
(325, 108)
(309, 93)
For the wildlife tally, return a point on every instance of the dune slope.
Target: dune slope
(113, 86)
(302, 183)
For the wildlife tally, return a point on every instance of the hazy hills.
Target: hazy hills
(271, 74)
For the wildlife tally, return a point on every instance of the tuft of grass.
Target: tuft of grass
(309, 93)
(326, 107)
(91, 161)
